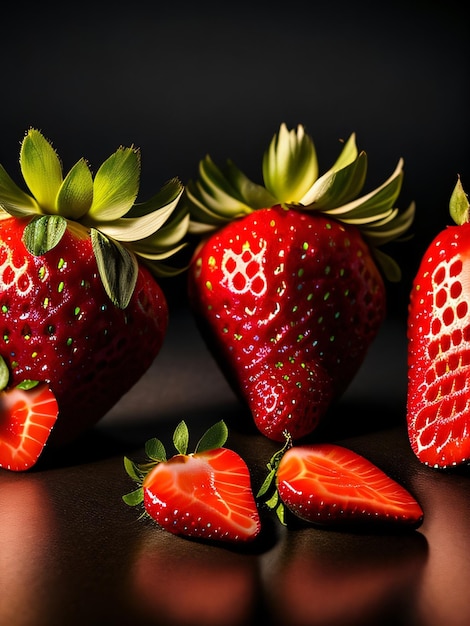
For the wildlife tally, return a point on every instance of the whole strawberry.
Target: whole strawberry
(285, 283)
(205, 494)
(438, 402)
(80, 307)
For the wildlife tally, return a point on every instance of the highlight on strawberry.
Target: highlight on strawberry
(205, 494)
(286, 283)
(329, 485)
(81, 309)
(438, 400)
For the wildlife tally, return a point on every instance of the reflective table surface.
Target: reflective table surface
(72, 553)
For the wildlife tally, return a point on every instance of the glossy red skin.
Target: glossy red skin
(438, 403)
(330, 484)
(206, 495)
(292, 333)
(58, 325)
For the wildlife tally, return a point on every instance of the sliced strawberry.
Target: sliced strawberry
(27, 417)
(330, 484)
(206, 494)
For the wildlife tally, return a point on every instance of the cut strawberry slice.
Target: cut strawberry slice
(206, 494)
(329, 484)
(27, 417)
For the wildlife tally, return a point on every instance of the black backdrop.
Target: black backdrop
(187, 79)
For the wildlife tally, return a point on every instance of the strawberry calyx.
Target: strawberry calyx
(215, 437)
(291, 179)
(268, 492)
(459, 206)
(104, 205)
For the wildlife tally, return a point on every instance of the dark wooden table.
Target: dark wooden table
(73, 554)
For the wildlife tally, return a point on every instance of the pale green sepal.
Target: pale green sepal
(134, 498)
(14, 200)
(166, 240)
(4, 374)
(373, 205)
(215, 437)
(128, 229)
(181, 437)
(348, 154)
(290, 165)
(76, 192)
(201, 229)
(201, 214)
(390, 228)
(44, 233)
(169, 194)
(41, 169)
(337, 187)
(459, 206)
(161, 270)
(116, 185)
(253, 195)
(155, 450)
(217, 193)
(117, 267)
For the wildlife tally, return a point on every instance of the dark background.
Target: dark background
(187, 79)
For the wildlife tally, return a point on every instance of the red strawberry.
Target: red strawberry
(26, 419)
(205, 495)
(329, 484)
(287, 290)
(78, 310)
(438, 403)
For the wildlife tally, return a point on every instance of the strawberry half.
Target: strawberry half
(328, 484)
(285, 283)
(438, 402)
(80, 305)
(205, 495)
(27, 417)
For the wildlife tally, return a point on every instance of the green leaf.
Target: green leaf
(76, 192)
(459, 206)
(290, 165)
(13, 199)
(44, 233)
(281, 513)
(155, 450)
(117, 267)
(273, 500)
(134, 498)
(4, 374)
(215, 437)
(132, 470)
(41, 169)
(181, 438)
(116, 185)
(267, 483)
